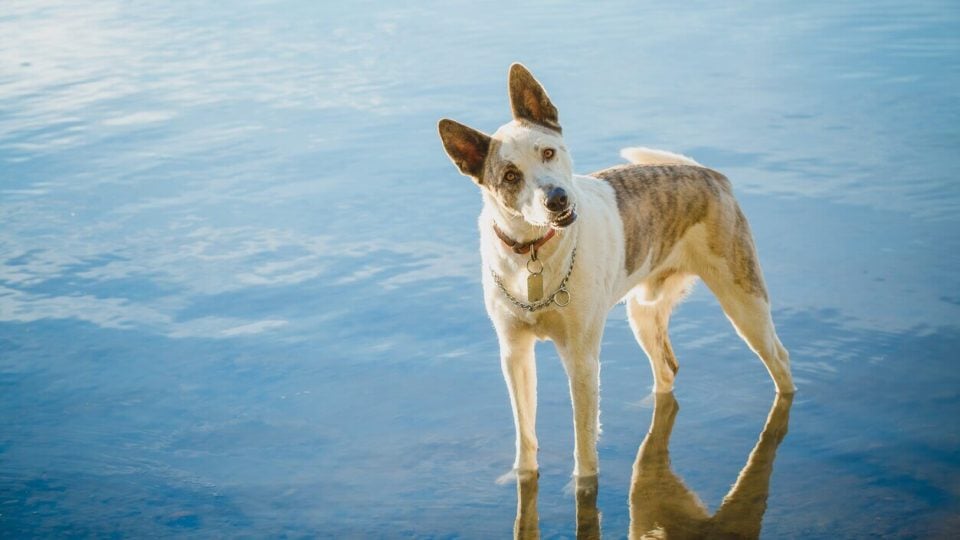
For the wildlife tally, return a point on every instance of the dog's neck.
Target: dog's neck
(513, 226)
(522, 248)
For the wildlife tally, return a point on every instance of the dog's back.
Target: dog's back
(659, 203)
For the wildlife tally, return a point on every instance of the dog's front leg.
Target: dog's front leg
(520, 371)
(580, 354)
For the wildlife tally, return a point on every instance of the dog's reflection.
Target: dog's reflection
(527, 525)
(588, 518)
(662, 506)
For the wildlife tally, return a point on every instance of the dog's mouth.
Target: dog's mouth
(564, 218)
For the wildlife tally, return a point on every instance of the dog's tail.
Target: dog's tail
(639, 155)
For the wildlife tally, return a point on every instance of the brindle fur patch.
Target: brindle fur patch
(658, 204)
(730, 238)
(493, 169)
(742, 258)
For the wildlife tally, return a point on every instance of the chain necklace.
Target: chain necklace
(560, 297)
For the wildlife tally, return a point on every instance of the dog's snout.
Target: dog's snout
(557, 199)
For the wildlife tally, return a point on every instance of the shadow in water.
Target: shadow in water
(662, 506)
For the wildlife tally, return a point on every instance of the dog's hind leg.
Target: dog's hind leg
(649, 314)
(739, 288)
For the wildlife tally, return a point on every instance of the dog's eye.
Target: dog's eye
(548, 154)
(511, 176)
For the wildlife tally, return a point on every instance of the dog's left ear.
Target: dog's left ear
(529, 100)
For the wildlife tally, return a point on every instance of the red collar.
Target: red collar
(521, 248)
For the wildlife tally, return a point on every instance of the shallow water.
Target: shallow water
(239, 279)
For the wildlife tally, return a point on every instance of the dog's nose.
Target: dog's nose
(556, 199)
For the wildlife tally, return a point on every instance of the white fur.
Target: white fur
(596, 284)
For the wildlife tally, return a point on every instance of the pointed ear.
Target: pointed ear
(529, 100)
(466, 146)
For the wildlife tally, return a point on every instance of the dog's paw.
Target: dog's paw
(788, 389)
(522, 475)
(582, 485)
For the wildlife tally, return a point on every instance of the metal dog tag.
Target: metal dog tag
(535, 287)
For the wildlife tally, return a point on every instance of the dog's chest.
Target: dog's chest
(547, 323)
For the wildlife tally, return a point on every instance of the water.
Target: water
(239, 279)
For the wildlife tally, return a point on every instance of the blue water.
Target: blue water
(239, 279)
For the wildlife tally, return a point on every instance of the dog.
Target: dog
(559, 250)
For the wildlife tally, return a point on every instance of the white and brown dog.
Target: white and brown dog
(560, 249)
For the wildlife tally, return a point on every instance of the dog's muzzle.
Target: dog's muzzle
(562, 213)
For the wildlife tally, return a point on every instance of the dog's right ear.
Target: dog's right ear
(466, 146)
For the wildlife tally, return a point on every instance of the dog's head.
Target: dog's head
(524, 168)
